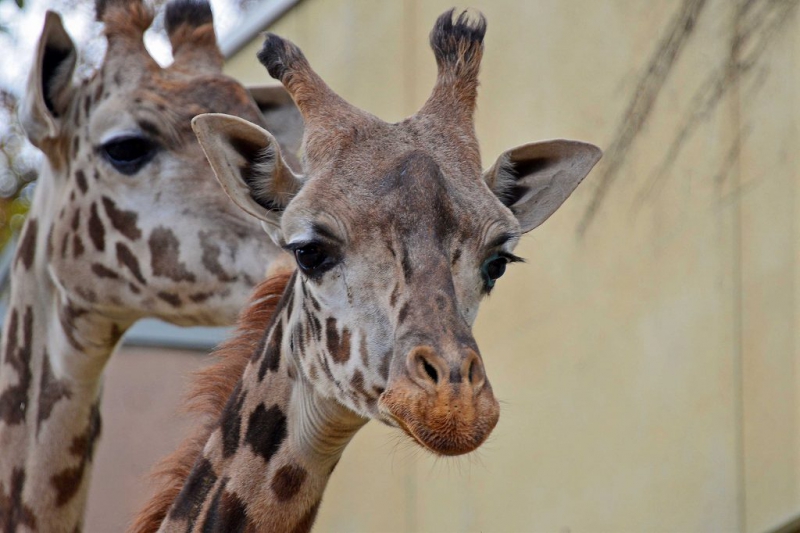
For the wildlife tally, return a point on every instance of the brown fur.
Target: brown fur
(201, 37)
(126, 18)
(210, 390)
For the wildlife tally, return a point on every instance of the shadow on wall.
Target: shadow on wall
(756, 25)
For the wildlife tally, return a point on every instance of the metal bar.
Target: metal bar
(254, 21)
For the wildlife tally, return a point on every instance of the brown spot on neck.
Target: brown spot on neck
(287, 481)
(14, 400)
(27, 245)
(13, 511)
(51, 390)
(68, 481)
(212, 389)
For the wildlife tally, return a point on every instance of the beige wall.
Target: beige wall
(648, 364)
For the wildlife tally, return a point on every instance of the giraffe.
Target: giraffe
(397, 236)
(126, 223)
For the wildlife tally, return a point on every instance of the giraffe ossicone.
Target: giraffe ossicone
(397, 236)
(127, 222)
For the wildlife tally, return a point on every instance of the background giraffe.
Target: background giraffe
(126, 223)
(397, 235)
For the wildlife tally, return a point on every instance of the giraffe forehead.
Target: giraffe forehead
(412, 195)
(208, 91)
(162, 105)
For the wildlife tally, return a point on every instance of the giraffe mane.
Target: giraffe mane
(211, 387)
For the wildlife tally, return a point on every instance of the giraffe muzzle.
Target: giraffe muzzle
(445, 405)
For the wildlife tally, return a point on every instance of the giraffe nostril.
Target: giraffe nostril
(425, 367)
(473, 368)
(431, 371)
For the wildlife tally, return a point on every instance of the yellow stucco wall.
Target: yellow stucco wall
(647, 357)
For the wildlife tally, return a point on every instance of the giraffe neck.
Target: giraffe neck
(267, 462)
(53, 353)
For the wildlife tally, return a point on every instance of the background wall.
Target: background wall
(647, 353)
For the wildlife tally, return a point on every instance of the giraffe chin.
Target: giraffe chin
(449, 422)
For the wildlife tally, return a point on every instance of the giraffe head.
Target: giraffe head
(398, 235)
(136, 224)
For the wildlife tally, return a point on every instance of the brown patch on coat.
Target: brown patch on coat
(200, 297)
(288, 481)
(68, 314)
(77, 246)
(127, 258)
(270, 351)
(80, 179)
(210, 392)
(51, 390)
(27, 245)
(226, 512)
(68, 481)
(338, 346)
(170, 297)
(13, 511)
(165, 255)
(14, 400)
(97, 233)
(210, 258)
(103, 271)
(122, 220)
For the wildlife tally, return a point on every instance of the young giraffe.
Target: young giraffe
(127, 222)
(397, 237)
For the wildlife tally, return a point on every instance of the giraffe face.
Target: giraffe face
(392, 268)
(397, 235)
(139, 227)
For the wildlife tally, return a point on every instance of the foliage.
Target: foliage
(18, 162)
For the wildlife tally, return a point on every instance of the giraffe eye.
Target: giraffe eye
(494, 268)
(314, 259)
(129, 154)
(309, 257)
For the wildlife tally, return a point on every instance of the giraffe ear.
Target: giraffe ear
(50, 88)
(533, 180)
(248, 164)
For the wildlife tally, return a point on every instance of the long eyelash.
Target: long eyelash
(511, 258)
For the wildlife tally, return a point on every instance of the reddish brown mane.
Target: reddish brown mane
(210, 390)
